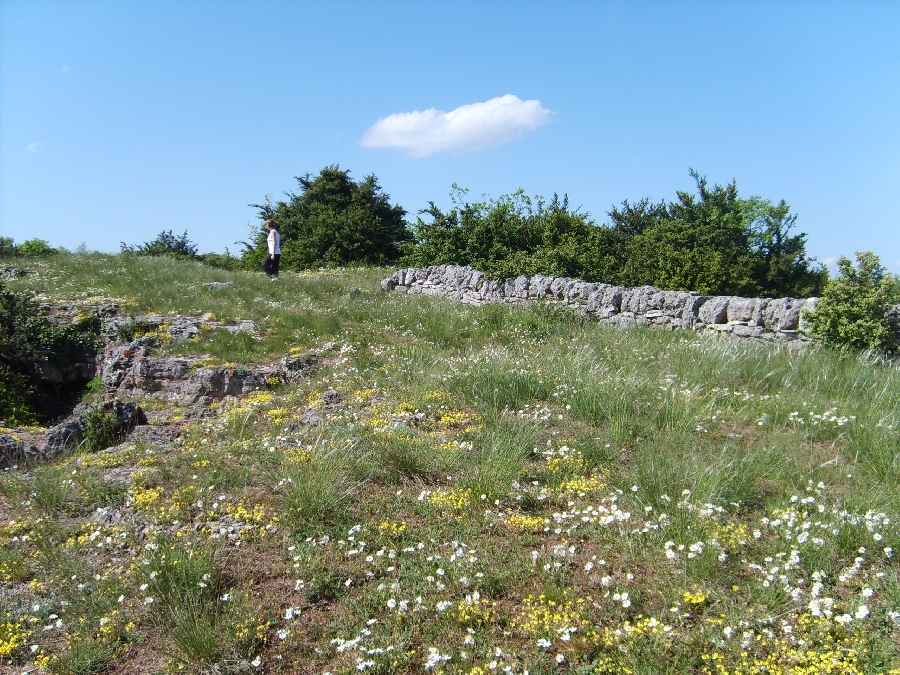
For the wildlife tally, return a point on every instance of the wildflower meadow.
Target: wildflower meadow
(458, 489)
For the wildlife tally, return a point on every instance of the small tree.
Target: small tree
(853, 311)
(781, 266)
(166, 244)
(333, 220)
(697, 243)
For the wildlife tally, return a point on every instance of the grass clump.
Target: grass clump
(316, 486)
(190, 598)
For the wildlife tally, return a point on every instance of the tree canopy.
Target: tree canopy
(332, 220)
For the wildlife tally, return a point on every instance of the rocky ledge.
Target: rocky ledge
(132, 369)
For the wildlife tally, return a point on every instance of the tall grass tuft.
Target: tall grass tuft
(314, 491)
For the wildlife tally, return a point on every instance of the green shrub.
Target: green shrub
(317, 491)
(508, 236)
(36, 248)
(126, 332)
(852, 313)
(100, 428)
(86, 656)
(27, 339)
(166, 244)
(208, 623)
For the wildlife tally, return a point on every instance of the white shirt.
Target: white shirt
(274, 241)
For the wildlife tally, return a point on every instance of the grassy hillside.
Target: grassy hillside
(501, 490)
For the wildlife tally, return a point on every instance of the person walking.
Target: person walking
(271, 263)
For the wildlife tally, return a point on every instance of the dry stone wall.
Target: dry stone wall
(763, 318)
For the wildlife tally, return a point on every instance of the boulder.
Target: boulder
(107, 515)
(216, 383)
(580, 291)
(538, 286)
(295, 368)
(155, 373)
(310, 418)
(714, 310)
(750, 311)
(127, 416)
(64, 436)
(13, 450)
(331, 398)
(558, 287)
(13, 272)
(69, 433)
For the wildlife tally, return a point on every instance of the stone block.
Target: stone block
(538, 286)
(715, 310)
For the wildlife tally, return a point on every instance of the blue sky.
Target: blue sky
(122, 119)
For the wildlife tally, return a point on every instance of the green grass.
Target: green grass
(686, 504)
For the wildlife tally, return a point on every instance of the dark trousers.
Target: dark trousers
(270, 266)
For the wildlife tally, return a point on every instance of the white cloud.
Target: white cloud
(829, 261)
(470, 127)
(34, 147)
(64, 70)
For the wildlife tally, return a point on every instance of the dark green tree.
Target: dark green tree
(713, 242)
(332, 220)
(701, 244)
(8, 246)
(781, 266)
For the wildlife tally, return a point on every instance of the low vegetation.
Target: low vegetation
(498, 490)
(855, 311)
(27, 343)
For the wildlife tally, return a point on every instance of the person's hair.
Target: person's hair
(272, 224)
